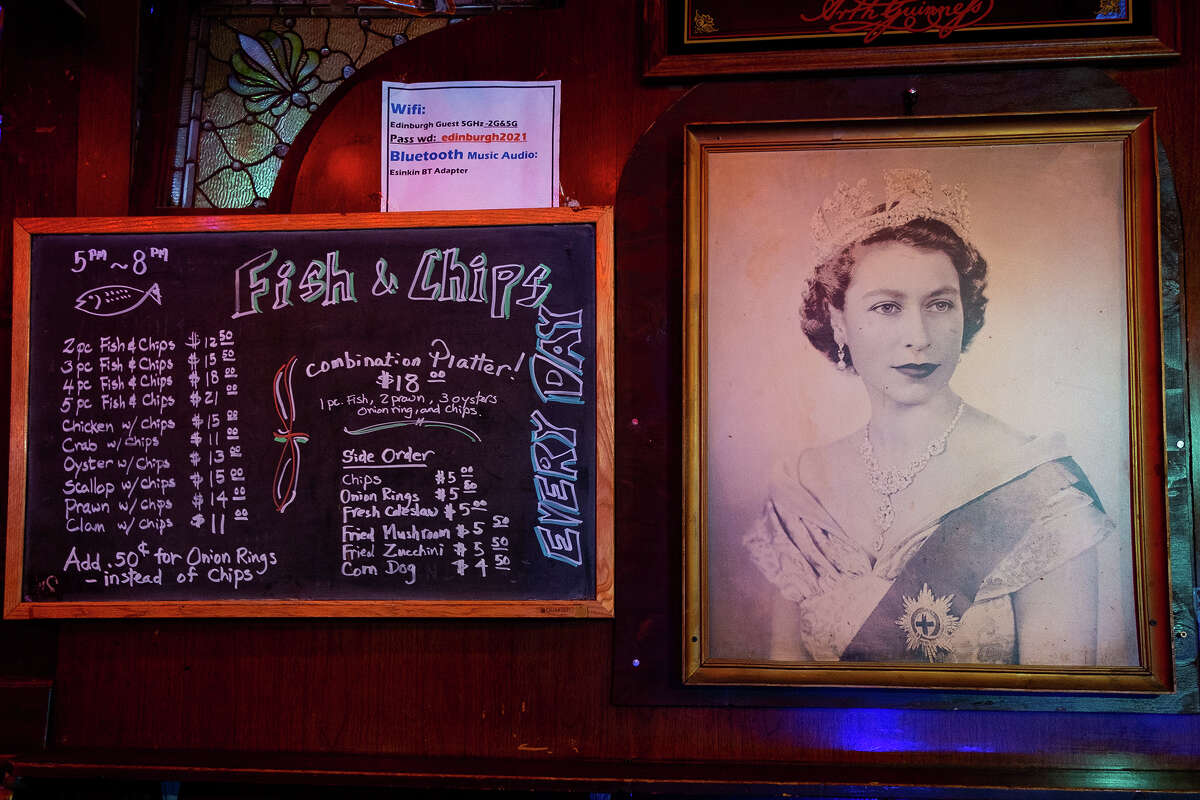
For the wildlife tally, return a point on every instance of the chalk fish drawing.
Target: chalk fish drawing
(114, 300)
(287, 471)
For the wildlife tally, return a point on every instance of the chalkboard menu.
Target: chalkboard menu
(327, 415)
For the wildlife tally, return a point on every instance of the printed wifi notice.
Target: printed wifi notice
(475, 144)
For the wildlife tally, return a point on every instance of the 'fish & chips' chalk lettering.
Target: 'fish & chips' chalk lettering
(442, 276)
(261, 285)
(323, 280)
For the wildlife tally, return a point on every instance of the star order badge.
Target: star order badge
(927, 622)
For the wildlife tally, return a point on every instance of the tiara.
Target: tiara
(852, 213)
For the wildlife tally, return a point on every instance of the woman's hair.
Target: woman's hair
(827, 286)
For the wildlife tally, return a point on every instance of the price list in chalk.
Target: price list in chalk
(435, 525)
(118, 470)
(218, 478)
(127, 462)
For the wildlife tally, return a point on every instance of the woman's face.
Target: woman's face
(903, 321)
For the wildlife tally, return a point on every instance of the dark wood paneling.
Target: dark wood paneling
(162, 53)
(26, 704)
(531, 699)
(106, 94)
(1175, 92)
(353, 775)
(39, 100)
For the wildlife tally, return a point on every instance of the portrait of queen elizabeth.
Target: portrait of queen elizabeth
(916, 526)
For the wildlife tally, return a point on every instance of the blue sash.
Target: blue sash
(945, 575)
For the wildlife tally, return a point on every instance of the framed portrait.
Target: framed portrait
(923, 412)
(711, 37)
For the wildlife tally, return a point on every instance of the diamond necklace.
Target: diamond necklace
(888, 482)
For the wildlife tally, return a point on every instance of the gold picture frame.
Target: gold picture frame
(722, 37)
(1064, 208)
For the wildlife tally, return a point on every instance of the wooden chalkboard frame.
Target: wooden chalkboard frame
(601, 605)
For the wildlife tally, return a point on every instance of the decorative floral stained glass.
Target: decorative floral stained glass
(256, 78)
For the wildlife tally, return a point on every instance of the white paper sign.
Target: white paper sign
(474, 144)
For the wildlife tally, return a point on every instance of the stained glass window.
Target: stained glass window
(256, 71)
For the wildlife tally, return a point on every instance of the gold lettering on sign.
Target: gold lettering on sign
(873, 18)
(703, 23)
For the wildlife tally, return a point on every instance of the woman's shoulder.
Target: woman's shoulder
(980, 432)
(986, 453)
(824, 466)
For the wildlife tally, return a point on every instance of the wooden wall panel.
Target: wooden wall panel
(106, 85)
(39, 100)
(530, 703)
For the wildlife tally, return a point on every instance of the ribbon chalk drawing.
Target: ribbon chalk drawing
(287, 471)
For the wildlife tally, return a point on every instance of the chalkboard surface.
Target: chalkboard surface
(320, 415)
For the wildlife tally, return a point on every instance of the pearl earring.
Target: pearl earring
(841, 364)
